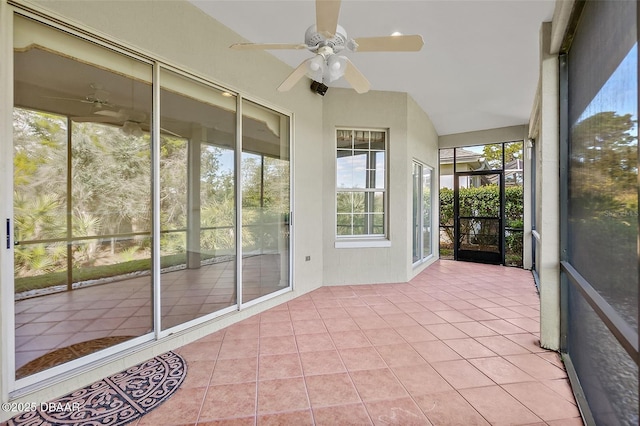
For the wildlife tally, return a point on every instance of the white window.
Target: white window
(361, 183)
(422, 181)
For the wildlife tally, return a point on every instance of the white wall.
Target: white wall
(179, 34)
(393, 111)
(482, 137)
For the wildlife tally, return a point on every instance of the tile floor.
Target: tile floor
(458, 345)
(123, 308)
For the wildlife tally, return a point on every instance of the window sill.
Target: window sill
(362, 243)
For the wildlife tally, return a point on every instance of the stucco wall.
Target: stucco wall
(181, 35)
(422, 143)
(386, 110)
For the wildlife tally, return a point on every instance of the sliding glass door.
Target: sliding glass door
(266, 205)
(197, 199)
(82, 198)
(120, 234)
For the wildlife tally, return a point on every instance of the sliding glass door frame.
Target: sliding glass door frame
(241, 303)
(84, 363)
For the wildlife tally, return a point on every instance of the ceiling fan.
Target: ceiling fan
(130, 119)
(99, 97)
(104, 111)
(327, 39)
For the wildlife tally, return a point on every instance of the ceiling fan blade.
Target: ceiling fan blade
(400, 43)
(267, 46)
(95, 119)
(169, 132)
(69, 99)
(356, 79)
(110, 113)
(327, 12)
(294, 77)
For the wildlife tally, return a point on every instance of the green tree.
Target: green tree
(485, 201)
(493, 153)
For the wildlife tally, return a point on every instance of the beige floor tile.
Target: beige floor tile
(301, 418)
(282, 395)
(546, 405)
(403, 411)
(449, 408)
(354, 414)
(500, 370)
(461, 374)
(331, 389)
(498, 407)
(377, 384)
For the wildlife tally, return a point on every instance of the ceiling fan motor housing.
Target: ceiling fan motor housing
(314, 39)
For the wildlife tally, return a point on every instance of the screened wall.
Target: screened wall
(482, 203)
(599, 76)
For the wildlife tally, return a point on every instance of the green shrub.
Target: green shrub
(485, 201)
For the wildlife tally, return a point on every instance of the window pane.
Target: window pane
(344, 166)
(345, 139)
(379, 179)
(421, 234)
(480, 157)
(514, 165)
(40, 200)
(358, 202)
(359, 169)
(361, 139)
(378, 202)
(82, 171)
(344, 202)
(197, 199)
(416, 220)
(344, 224)
(426, 211)
(265, 199)
(359, 223)
(378, 223)
(378, 141)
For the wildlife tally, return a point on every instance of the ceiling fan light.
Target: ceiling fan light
(316, 63)
(336, 66)
(315, 68)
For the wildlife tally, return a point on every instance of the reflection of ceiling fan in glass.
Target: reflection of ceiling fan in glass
(326, 39)
(104, 111)
(130, 119)
(99, 97)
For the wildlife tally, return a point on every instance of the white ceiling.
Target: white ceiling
(477, 70)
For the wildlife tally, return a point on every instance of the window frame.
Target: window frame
(369, 238)
(418, 201)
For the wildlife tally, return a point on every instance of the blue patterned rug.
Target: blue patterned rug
(115, 400)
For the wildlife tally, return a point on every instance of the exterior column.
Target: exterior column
(548, 195)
